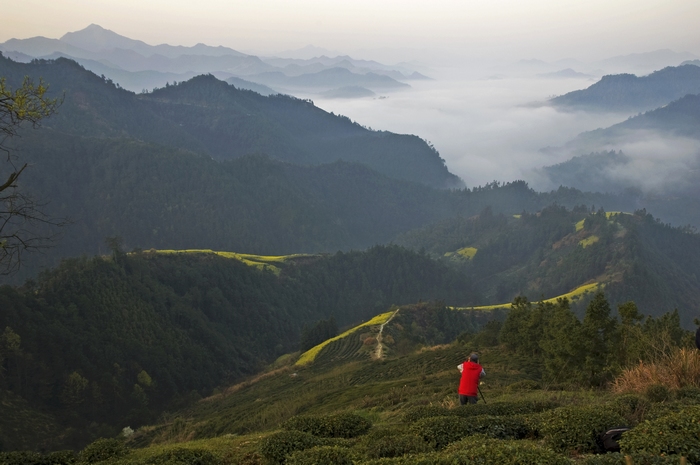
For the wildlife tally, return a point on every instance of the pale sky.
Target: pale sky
(510, 29)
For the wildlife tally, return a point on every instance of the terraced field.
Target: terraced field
(345, 347)
(262, 262)
(573, 295)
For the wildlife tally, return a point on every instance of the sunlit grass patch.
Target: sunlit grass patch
(579, 225)
(464, 252)
(310, 355)
(262, 262)
(573, 295)
(467, 252)
(588, 241)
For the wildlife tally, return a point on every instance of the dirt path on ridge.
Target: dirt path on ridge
(379, 351)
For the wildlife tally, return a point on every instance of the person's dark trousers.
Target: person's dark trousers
(467, 399)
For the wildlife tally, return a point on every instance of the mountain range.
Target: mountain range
(136, 65)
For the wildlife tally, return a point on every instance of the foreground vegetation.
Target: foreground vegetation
(402, 409)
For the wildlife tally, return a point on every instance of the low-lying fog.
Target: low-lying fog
(486, 128)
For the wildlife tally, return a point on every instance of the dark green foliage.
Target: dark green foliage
(102, 450)
(182, 456)
(342, 425)
(424, 411)
(480, 450)
(320, 455)
(658, 393)
(395, 445)
(505, 408)
(675, 434)
(440, 431)
(630, 406)
(35, 458)
(617, 458)
(576, 429)
(276, 447)
(524, 385)
(316, 334)
(688, 392)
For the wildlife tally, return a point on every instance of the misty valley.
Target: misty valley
(211, 257)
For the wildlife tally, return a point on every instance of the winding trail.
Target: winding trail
(379, 351)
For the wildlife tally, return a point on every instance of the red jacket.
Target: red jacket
(469, 384)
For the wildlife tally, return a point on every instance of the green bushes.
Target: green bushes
(321, 455)
(676, 433)
(276, 447)
(424, 411)
(617, 458)
(485, 451)
(344, 425)
(524, 385)
(658, 393)
(496, 409)
(183, 456)
(576, 429)
(34, 458)
(440, 431)
(101, 450)
(395, 446)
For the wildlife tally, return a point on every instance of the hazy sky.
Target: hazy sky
(510, 29)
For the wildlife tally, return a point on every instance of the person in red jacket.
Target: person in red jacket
(469, 384)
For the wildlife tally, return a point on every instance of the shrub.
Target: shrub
(102, 449)
(524, 385)
(344, 425)
(425, 411)
(630, 406)
(182, 456)
(441, 431)
(658, 393)
(34, 458)
(276, 447)
(504, 408)
(688, 392)
(676, 433)
(486, 451)
(418, 459)
(617, 458)
(395, 446)
(576, 429)
(321, 455)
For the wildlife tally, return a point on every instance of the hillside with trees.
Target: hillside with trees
(216, 119)
(627, 92)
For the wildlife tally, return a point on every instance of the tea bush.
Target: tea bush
(617, 458)
(343, 425)
(424, 411)
(505, 408)
(183, 456)
(441, 431)
(658, 393)
(524, 385)
(320, 455)
(677, 433)
(34, 458)
(276, 447)
(101, 450)
(395, 446)
(576, 429)
(486, 451)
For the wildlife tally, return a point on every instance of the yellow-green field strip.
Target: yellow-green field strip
(310, 355)
(258, 261)
(579, 291)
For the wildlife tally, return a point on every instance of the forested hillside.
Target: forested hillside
(216, 119)
(114, 341)
(625, 92)
(634, 256)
